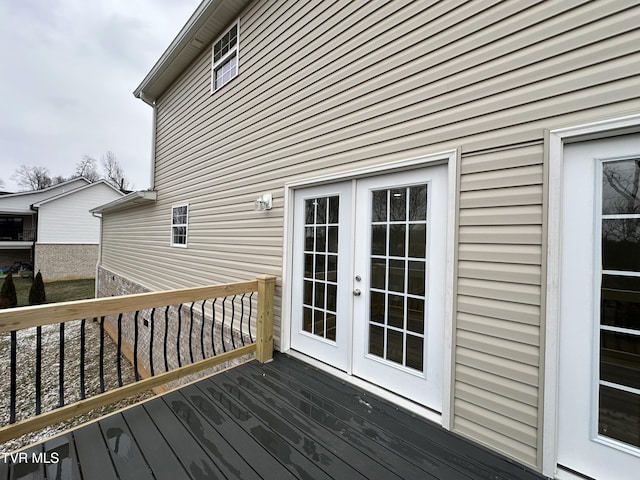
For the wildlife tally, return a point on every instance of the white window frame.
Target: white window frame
(175, 225)
(233, 52)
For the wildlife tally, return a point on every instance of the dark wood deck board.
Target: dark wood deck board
(67, 465)
(198, 463)
(124, 451)
(361, 413)
(260, 459)
(4, 470)
(316, 444)
(93, 455)
(162, 460)
(475, 460)
(228, 460)
(28, 470)
(282, 420)
(361, 451)
(273, 437)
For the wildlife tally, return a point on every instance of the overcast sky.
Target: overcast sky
(67, 72)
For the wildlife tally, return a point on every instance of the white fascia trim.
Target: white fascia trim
(133, 198)
(448, 157)
(555, 147)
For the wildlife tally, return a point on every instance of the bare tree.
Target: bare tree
(32, 177)
(88, 168)
(112, 170)
(58, 179)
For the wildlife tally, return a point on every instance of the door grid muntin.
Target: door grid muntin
(619, 325)
(398, 269)
(320, 278)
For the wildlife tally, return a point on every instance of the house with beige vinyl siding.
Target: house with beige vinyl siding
(450, 205)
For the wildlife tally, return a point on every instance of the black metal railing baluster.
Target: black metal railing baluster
(135, 346)
(119, 352)
(233, 317)
(38, 370)
(242, 318)
(101, 355)
(82, 348)
(213, 326)
(250, 308)
(179, 331)
(166, 335)
(191, 332)
(202, 332)
(13, 374)
(61, 368)
(224, 347)
(151, 371)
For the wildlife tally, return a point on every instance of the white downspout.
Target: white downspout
(152, 103)
(96, 283)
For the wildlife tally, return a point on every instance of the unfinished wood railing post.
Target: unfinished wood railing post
(264, 334)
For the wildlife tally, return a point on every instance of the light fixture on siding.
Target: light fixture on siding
(263, 202)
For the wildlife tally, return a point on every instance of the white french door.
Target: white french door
(321, 306)
(368, 292)
(599, 354)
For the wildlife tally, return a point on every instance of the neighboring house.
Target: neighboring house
(53, 228)
(455, 205)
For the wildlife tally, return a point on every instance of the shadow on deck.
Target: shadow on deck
(281, 420)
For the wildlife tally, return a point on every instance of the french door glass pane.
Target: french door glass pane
(621, 244)
(620, 192)
(620, 302)
(398, 263)
(619, 355)
(618, 358)
(320, 266)
(619, 415)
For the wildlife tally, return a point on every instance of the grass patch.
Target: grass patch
(60, 291)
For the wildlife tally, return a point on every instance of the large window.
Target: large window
(179, 221)
(225, 58)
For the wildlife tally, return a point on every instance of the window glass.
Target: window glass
(179, 220)
(225, 58)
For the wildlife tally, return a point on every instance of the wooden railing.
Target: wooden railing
(120, 317)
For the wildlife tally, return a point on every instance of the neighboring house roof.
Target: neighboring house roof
(129, 200)
(76, 190)
(204, 26)
(57, 186)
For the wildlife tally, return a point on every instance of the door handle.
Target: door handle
(356, 292)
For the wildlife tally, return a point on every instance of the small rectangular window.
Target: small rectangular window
(179, 222)
(225, 58)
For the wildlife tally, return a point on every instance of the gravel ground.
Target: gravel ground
(26, 356)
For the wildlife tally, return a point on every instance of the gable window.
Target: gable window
(225, 58)
(179, 220)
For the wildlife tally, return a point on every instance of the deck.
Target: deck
(282, 420)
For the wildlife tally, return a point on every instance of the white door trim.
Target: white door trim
(555, 141)
(448, 157)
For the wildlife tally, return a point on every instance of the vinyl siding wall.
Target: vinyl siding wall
(330, 86)
(68, 220)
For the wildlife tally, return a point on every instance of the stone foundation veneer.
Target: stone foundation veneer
(110, 284)
(65, 261)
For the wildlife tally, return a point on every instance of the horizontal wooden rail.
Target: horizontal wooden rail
(38, 315)
(15, 319)
(85, 406)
